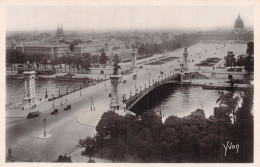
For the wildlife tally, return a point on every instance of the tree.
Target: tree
(103, 58)
(241, 60)
(249, 64)
(89, 146)
(141, 50)
(229, 99)
(230, 59)
(116, 59)
(86, 61)
(245, 126)
(249, 60)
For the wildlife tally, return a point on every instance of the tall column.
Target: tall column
(116, 100)
(134, 63)
(30, 97)
(185, 60)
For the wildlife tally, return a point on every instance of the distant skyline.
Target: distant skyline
(102, 18)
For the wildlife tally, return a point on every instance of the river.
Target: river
(185, 99)
(15, 88)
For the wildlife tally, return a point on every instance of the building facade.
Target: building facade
(96, 47)
(53, 50)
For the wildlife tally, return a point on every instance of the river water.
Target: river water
(185, 99)
(15, 88)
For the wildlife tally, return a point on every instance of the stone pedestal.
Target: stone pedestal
(116, 99)
(30, 96)
(134, 63)
(185, 60)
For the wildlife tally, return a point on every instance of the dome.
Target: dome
(239, 24)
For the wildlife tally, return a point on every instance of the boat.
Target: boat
(71, 77)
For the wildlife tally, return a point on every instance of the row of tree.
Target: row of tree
(85, 60)
(242, 60)
(181, 40)
(193, 138)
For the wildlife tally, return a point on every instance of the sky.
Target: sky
(125, 17)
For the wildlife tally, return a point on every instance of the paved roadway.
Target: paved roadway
(67, 127)
(22, 135)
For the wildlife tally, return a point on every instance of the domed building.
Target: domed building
(239, 24)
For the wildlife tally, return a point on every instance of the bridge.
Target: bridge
(132, 100)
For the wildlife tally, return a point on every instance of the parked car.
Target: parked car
(124, 81)
(134, 77)
(33, 114)
(55, 111)
(68, 107)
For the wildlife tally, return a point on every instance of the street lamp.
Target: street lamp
(80, 89)
(46, 94)
(135, 86)
(149, 78)
(44, 127)
(91, 103)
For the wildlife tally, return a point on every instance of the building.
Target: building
(94, 48)
(239, 24)
(238, 33)
(59, 33)
(53, 50)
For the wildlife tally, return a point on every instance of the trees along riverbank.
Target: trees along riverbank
(193, 138)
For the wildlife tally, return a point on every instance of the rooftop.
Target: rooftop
(42, 44)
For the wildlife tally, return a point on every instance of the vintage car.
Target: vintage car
(33, 114)
(68, 107)
(55, 111)
(134, 77)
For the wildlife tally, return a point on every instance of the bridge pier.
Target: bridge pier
(30, 96)
(116, 100)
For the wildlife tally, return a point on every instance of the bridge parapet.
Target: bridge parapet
(132, 100)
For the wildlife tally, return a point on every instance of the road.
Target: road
(23, 135)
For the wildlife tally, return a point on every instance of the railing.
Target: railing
(132, 99)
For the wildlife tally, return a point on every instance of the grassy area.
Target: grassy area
(209, 62)
(138, 58)
(162, 61)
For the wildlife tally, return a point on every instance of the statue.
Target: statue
(9, 157)
(116, 68)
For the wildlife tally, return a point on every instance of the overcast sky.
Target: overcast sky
(125, 17)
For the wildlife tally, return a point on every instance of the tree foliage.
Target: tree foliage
(193, 138)
(89, 146)
(103, 58)
(230, 59)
